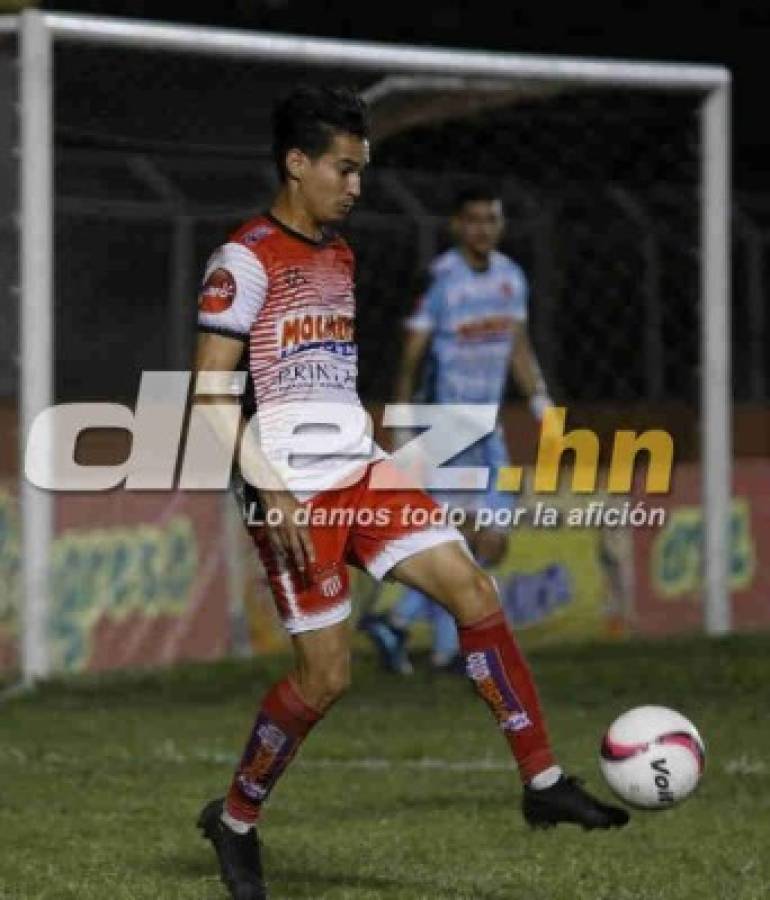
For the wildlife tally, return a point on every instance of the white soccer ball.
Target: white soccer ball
(652, 757)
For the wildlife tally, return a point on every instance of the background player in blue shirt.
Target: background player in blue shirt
(467, 331)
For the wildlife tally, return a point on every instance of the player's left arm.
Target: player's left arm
(524, 365)
(527, 372)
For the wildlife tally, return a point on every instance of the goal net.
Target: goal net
(613, 178)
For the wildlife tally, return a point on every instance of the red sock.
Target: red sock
(503, 680)
(282, 724)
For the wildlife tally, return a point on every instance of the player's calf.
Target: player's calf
(321, 685)
(503, 680)
(282, 724)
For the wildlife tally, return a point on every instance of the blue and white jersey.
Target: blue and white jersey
(471, 315)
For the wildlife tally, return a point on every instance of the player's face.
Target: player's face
(331, 183)
(479, 226)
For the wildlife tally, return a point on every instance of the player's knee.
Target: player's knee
(486, 591)
(324, 684)
(337, 679)
(474, 596)
(489, 547)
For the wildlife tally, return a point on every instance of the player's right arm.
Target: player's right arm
(231, 298)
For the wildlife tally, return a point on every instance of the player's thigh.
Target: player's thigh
(449, 575)
(310, 600)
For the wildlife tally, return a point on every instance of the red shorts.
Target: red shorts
(368, 528)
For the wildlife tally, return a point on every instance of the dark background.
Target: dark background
(735, 35)
(117, 236)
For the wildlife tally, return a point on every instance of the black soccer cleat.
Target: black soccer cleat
(566, 801)
(240, 864)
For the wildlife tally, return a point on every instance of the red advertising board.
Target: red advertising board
(669, 561)
(138, 579)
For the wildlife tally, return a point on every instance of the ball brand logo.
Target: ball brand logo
(665, 794)
(331, 586)
(322, 330)
(218, 292)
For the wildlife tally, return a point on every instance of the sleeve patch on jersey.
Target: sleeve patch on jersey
(218, 292)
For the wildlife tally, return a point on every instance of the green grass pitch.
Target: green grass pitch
(405, 791)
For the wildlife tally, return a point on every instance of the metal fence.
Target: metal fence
(140, 143)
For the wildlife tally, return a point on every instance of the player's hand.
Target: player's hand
(290, 540)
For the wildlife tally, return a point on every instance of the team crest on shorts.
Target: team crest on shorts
(331, 586)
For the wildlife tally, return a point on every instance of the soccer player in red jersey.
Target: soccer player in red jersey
(281, 290)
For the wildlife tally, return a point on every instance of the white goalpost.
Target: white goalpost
(40, 33)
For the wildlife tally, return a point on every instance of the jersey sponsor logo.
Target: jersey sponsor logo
(486, 328)
(218, 292)
(332, 332)
(316, 374)
(462, 291)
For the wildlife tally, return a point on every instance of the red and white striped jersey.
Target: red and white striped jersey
(291, 300)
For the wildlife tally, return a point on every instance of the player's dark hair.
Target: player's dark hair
(474, 193)
(309, 117)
